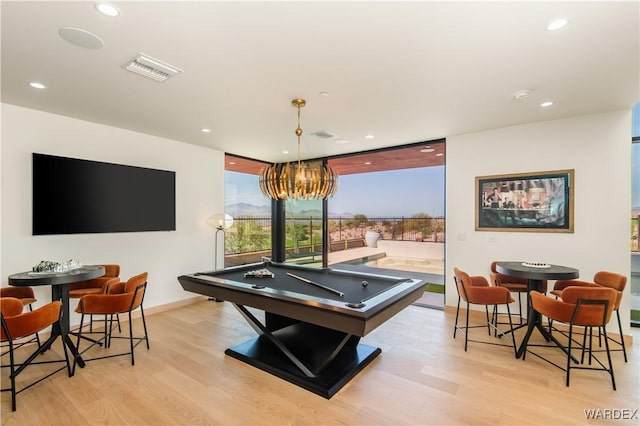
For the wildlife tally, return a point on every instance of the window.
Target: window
(303, 232)
(635, 217)
(249, 237)
(388, 214)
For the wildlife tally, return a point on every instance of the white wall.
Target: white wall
(597, 146)
(164, 255)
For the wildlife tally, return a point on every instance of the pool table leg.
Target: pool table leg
(319, 359)
(262, 331)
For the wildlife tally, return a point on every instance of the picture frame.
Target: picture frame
(525, 202)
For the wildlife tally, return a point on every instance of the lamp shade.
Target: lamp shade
(221, 220)
(302, 180)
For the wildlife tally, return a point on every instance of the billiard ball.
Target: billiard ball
(365, 283)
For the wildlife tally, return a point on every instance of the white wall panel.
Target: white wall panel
(164, 255)
(597, 146)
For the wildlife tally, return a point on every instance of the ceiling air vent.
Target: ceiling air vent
(153, 68)
(323, 134)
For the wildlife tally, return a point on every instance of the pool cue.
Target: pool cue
(332, 290)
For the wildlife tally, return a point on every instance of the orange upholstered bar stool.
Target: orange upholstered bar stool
(122, 298)
(514, 285)
(25, 295)
(16, 325)
(476, 290)
(607, 279)
(94, 286)
(580, 306)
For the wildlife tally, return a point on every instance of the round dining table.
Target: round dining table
(535, 274)
(59, 282)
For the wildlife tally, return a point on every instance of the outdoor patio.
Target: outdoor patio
(430, 267)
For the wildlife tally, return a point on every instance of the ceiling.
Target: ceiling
(404, 72)
(403, 157)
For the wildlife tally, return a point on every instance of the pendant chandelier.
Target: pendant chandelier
(298, 180)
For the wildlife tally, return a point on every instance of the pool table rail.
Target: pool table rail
(327, 312)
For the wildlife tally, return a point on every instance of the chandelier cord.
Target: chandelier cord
(299, 180)
(299, 130)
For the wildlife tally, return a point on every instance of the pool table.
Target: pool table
(313, 317)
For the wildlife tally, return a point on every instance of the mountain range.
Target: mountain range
(264, 210)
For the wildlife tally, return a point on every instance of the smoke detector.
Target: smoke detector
(152, 68)
(323, 134)
(522, 94)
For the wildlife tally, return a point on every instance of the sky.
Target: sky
(394, 193)
(243, 188)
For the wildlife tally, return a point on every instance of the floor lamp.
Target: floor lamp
(219, 229)
(221, 222)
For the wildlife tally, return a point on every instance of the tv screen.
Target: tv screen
(73, 196)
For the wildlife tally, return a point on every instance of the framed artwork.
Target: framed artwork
(525, 202)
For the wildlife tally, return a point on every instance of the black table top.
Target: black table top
(347, 282)
(56, 278)
(552, 272)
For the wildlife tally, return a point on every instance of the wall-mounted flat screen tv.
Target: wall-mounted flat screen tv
(73, 196)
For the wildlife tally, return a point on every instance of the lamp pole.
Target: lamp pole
(221, 222)
(215, 247)
(215, 254)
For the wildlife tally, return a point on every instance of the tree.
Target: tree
(248, 235)
(422, 223)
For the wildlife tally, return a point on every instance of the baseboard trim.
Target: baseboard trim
(158, 308)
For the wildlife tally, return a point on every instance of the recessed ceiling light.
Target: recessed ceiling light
(205, 130)
(546, 104)
(368, 163)
(427, 149)
(107, 9)
(440, 154)
(232, 163)
(324, 94)
(557, 24)
(340, 141)
(285, 152)
(522, 94)
(369, 137)
(37, 85)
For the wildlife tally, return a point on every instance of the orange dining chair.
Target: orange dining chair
(476, 290)
(94, 286)
(25, 295)
(121, 298)
(607, 279)
(16, 325)
(579, 306)
(514, 285)
(107, 288)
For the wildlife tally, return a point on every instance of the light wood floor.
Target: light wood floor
(423, 376)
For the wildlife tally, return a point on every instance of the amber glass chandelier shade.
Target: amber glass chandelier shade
(301, 180)
(298, 181)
